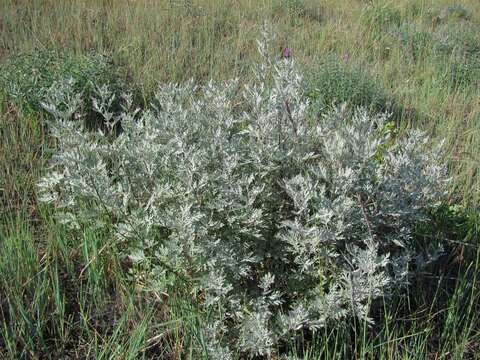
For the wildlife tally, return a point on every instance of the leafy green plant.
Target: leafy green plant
(25, 78)
(330, 81)
(276, 225)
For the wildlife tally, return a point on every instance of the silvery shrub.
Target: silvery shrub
(280, 222)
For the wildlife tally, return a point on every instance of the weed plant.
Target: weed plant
(278, 225)
(337, 81)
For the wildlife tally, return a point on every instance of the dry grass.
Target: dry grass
(151, 41)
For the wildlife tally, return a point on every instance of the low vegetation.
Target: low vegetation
(300, 205)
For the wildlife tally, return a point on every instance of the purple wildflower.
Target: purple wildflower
(287, 52)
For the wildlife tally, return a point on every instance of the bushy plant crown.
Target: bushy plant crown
(279, 222)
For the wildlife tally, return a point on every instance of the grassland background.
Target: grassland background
(69, 296)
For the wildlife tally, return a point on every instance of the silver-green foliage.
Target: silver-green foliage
(281, 223)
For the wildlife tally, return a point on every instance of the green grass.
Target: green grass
(70, 295)
(59, 297)
(22, 155)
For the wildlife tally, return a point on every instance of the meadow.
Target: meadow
(69, 295)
